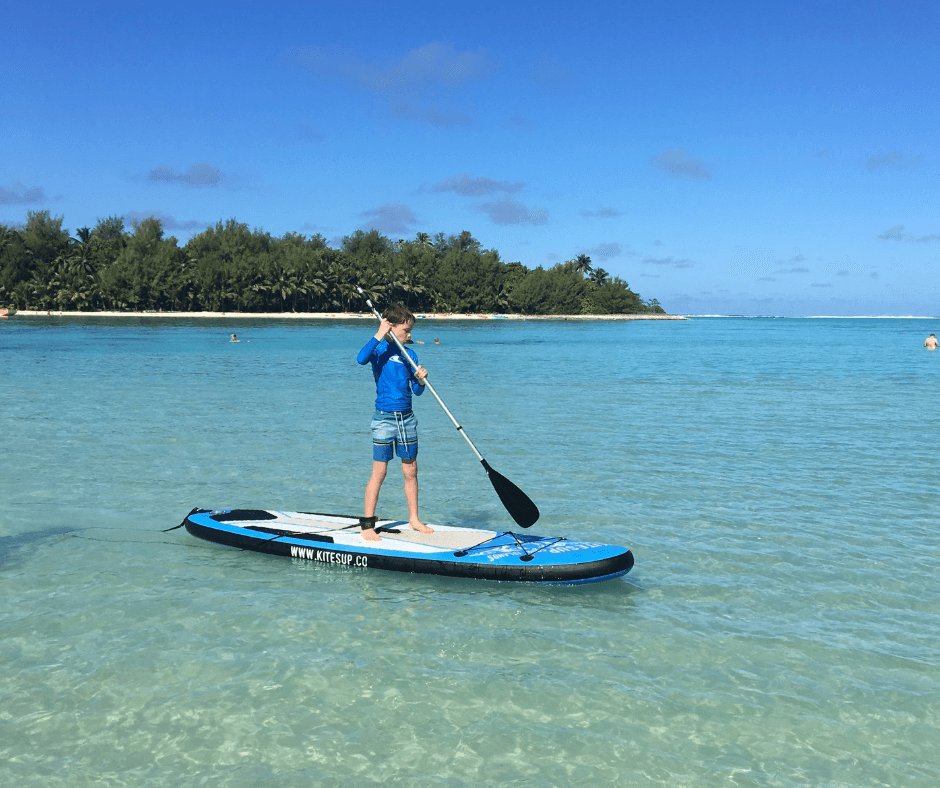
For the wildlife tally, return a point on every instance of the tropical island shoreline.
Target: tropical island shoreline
(336, 315)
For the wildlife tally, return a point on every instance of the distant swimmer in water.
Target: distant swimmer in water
(437, 341)
(931, 342)
(234, 339)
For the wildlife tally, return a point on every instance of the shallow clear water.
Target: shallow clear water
(776, 480)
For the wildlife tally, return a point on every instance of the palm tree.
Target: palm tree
(6, 237)
(373, 283)
(582, 265)
(502, 296)
(42, 284)
(599, 277)
(77, 272)
(407, 287)
(313, 285)
(285, 284)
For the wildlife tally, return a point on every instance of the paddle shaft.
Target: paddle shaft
(430, 388)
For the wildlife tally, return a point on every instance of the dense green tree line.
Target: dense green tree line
(229, 268)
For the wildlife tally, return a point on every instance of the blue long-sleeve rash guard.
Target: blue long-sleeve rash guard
(394, 376)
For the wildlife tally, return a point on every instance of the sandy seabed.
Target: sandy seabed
(339, 315)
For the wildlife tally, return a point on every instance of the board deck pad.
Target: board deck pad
(450, 539)
(450, 551)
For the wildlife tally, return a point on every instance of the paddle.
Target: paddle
(517, 503)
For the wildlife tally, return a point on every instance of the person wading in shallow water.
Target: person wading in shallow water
(394, 426)
(931, 342)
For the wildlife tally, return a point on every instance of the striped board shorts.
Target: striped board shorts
(394, 432)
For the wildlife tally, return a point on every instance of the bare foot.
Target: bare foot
(420, 527)
(370, 535)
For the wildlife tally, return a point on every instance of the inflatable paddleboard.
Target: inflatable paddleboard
(451, 551)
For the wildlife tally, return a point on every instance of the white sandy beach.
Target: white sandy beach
(338, 315)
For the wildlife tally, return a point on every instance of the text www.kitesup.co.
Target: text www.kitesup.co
(328, 556)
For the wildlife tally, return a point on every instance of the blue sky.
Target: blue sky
(723, 157)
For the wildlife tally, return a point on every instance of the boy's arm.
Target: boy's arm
(366, 353)
(417, 384)
(417, 375)
(384, 328)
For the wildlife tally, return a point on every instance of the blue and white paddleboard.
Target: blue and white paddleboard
(450, 551)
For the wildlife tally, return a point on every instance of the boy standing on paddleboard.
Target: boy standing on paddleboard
(394, 426)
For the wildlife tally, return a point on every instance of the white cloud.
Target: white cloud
(198, 175)
(897, 233)
(510, 211)
(390, 219)
(792, 265)
(677, 162)
(549, 73)
(166, 220)
(517, 121)
(19, 194)
(416, 85)
(670, 262)
(603, 213)
(431, 112)
(476, 187)
(605, 250)
(436, 63)
(892, 159)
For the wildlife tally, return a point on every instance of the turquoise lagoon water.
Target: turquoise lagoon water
(777, 481)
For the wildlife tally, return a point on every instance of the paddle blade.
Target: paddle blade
(517, 503)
